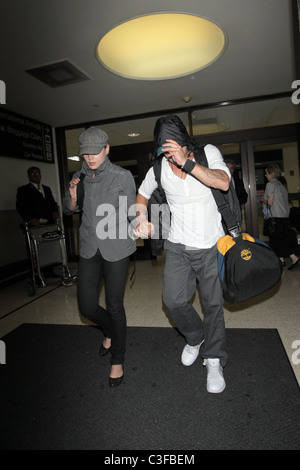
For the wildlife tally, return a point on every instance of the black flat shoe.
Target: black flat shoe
(115, 382)
(103, 351)
(294, 265)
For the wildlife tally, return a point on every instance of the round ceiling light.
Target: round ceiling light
(161, 46)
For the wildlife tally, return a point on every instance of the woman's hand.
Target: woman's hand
(73, 188)
(144, 228)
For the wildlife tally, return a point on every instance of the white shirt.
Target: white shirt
(281, 205)
(39, 187)
(196, 221)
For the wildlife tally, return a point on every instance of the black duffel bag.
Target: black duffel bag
(247, 267)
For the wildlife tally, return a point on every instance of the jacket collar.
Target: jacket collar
(93, 173)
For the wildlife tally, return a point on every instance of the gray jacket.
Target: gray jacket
(109, 191)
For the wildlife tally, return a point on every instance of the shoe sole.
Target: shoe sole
(216, 391)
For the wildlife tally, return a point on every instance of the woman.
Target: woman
(105, 247)
(276, 196)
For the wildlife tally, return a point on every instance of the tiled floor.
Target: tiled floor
(279, 308)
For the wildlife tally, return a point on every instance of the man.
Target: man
(191, 252)
(35, 202)
(36, 205)
(238, 183)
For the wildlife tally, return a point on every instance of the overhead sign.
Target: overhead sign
(22, 137)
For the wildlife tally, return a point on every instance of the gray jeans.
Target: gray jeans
(183, 267)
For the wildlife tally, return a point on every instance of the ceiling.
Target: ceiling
(258, 60)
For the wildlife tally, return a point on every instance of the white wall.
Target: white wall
(13, 173)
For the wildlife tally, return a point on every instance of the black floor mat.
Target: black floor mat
(54, 393)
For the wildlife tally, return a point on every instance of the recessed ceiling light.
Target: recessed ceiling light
(75, 158)
(161, 46)
(133, 134)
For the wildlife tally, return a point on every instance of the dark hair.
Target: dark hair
(232, 162)
(31, 169)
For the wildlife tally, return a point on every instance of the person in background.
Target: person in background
(234, 204)
(191, 251)
(35, 202)
(276, 197)
(238, 183)
(105, 246)
(37, 207)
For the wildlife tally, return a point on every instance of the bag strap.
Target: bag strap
(226, 213)
(80, 191)
(219, 197)
(157, 174)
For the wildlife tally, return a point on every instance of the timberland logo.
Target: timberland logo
(2, 352)
(246, 255)
(296, 354)
(2, 92)
(296, 94)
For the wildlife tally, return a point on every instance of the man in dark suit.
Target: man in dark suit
(239, 187)
(36, 205)
(35, 202)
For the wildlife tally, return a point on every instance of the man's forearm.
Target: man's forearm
(141, 204)
(217, 179)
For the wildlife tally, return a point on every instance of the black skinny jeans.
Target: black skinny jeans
(111, 320)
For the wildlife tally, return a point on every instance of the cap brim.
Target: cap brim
(90, 150)
(161, 150)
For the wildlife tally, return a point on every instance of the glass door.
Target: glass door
(286, 156)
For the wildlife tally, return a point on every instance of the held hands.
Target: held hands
(144, 229)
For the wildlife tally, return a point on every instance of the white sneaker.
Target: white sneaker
(215, 380)
(190, 354)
